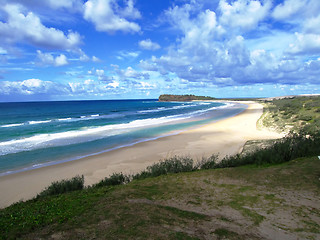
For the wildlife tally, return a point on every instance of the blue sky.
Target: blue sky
(124, 49)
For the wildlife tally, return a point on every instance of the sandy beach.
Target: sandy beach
(224, 137)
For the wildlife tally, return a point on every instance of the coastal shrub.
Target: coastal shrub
(174, 164)
(113, 180)
(207, 163)
(305, 117)
(63, 186)
(292, 146)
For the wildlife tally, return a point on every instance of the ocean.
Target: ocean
(38, 134)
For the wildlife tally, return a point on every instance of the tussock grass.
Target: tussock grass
(63, 186)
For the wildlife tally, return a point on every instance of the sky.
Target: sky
(139, 49)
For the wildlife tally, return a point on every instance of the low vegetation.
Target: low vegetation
(67, 185)
(298, 114)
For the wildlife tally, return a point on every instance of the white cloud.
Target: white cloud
(128, 54)
(114, 84)
(311, 25)
(108, 16)
(305, 44)
(145, 86)
(243, 13)
(31, 87)
(95, 59)
(49, 59)
(21, 27)
(61, 60)
(130, 73)
(91, 87)
(149, 45)
(212, 49)
(63, 3)
(287, 8)
(54, 4)
(36, 89)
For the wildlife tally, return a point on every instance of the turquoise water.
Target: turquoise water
(36, 134)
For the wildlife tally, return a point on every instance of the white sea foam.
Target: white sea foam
(77, 136)
(12, 125)
(90, 133)
(64, 119)
(67, 119)
(160, 109)
(38, 122)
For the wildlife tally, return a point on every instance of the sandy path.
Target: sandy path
(225, 137)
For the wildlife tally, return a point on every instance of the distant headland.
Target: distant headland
(181, 98)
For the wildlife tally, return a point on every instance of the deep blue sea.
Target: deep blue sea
(37, 134)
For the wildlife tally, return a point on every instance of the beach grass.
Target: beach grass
(212, 203)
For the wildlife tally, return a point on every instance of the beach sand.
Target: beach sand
(224, 137)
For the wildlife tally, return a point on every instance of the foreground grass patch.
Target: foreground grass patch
(160, 206)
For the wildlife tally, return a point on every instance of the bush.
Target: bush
(286, 149)
(63, 186)
(175, 164)
(305, 117)
(207, 163)
(113, 180)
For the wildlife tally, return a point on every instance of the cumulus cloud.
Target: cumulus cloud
(149, 45)
(296, 10)
(243, 13)
(129, 73)
(36, 89)
(21, 27)
(95, 59)
(128, 55)
(30, 89)
(305, 44)
(54, 4)
(49, 59)
(108, 16)
(287, 9)
(91, 87)
(213, 50)
(145, 86)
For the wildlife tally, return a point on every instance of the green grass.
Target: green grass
(160, 206)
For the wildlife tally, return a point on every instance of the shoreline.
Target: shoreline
(226, 137)
(200, 122)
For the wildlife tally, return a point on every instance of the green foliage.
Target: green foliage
(63, 186)
(24, 217)
(207, 163)
(296, 112)
(291, 147)
(113, 180)
(175, 164)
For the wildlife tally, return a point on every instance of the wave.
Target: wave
(38, 122)
(67, 119)
(160, 109)
(93, 133)
(79, 136)
(12, 125)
